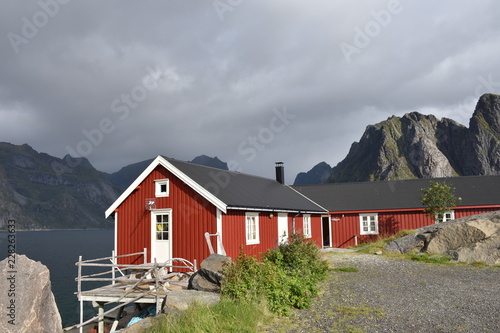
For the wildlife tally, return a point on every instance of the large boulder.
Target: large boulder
(410, 243)
(470, 239)
(26, 298)
(209, 276)
(179, 300)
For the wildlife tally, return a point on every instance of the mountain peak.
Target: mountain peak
(213, 162)
(422, 146)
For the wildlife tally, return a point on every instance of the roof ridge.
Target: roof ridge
(396, 180)
(217, 169)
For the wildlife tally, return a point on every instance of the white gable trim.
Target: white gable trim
(179, 174)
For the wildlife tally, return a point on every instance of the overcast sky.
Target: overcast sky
(251, 82)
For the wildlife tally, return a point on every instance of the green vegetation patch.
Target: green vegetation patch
(284, 278)
(227, 316)
(345, 269)
(379, 245)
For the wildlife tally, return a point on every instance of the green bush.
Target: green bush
(285, 277)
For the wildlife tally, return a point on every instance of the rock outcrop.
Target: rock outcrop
(317, 175)
(422, 146)
(179, 300)
(209, 276)
(45, 192)
(27, 302)
(470, 239)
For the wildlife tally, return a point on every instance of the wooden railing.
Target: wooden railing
(157, 273)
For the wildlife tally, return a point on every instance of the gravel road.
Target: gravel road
(396, 295)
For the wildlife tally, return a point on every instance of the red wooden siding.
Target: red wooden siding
(192, 216)
(316, 230)
(233, 231)
(389, 223)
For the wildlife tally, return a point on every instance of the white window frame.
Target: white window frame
(158, 185)
(306, 225)
(252, 218)
(370, 231)
(451, 214)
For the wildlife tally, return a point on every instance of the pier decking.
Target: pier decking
(146, 283)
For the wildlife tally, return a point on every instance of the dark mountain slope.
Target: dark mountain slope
(41, 191)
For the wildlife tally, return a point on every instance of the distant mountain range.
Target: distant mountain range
(420, 146)
(126, 175)
(40, 191)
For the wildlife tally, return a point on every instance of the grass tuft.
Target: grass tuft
(379, 245)
(345, 269)
(227, 316)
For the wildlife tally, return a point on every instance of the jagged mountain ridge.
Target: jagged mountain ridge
(40, 191)
(126, 175)
(421, 146)
(317, 175)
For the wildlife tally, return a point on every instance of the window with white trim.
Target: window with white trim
(161, 187)
(306, 226)
(368, 224)
(448, 216)
(252, 228)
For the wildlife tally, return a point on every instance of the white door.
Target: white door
(282, 228)
(161, 235)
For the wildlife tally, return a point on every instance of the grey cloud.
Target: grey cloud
(223, 77)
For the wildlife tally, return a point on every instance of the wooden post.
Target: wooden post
(79, 290)
(101, 318)
(113, 261)
(155, 273)
(355, 240)
(209, 243)
(145, 255)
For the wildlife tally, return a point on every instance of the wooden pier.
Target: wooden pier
(146, 283)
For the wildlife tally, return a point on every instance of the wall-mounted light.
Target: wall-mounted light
(271, 215)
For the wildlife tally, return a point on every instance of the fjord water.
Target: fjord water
(59, 251)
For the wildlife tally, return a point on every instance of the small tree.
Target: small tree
(438, 199)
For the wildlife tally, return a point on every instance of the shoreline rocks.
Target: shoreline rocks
(470, 239)
(27, 294)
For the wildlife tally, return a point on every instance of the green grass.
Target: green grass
(227, 316)
(256, 291)
(345, 269)
(429, 258)
(371, 248)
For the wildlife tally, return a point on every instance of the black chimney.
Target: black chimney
(280, 173)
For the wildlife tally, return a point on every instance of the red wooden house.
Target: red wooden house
(172, 204)
(364, 211)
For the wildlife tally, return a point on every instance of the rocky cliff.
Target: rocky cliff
(317, 175)
(421, 146)
(41, 191)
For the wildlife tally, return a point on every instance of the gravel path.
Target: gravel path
(396, 295)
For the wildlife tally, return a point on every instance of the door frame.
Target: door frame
(329, 231)
(282, 216)
(154, 213)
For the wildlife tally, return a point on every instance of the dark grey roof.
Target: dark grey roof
(239, 190)
(402, 194)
